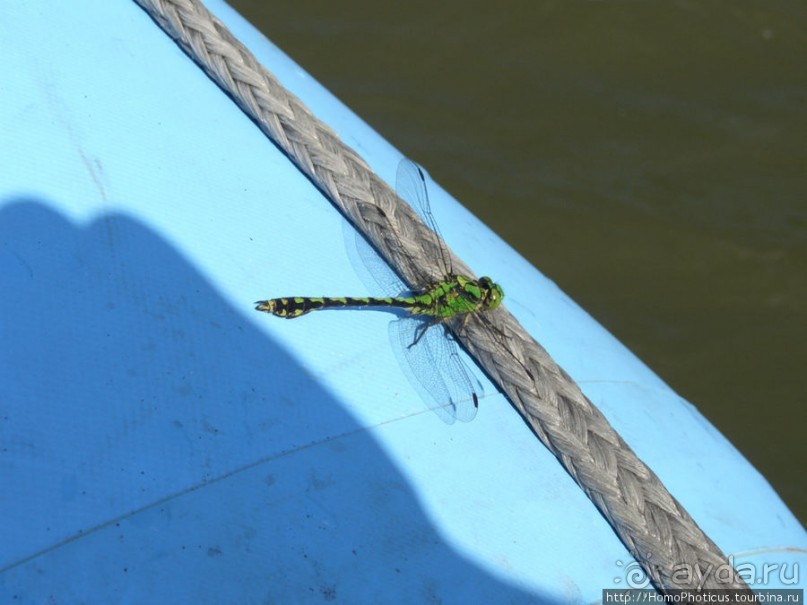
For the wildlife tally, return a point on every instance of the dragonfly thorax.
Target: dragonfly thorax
(457, 295)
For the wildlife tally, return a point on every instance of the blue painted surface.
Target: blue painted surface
(162, 442)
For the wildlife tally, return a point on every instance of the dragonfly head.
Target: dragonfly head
(492, 293)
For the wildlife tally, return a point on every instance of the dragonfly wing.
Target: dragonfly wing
(374, 271)
(464, 389)
(435, 369)
(410, 185)
(433, 366)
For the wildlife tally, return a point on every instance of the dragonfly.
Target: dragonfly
(425, 348)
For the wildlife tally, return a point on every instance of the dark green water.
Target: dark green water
(651, 158)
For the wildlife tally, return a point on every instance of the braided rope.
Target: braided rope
(653, 525)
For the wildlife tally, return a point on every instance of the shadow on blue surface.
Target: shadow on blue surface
(156, 448)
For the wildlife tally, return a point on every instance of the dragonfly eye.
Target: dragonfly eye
(493, 292)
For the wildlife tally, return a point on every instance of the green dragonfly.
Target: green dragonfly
(430, 357)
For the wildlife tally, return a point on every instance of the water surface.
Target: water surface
(648, 157)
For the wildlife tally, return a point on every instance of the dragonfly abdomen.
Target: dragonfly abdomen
(289, 308)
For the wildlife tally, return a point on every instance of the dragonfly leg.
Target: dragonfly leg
(421, 330)
(462, 326)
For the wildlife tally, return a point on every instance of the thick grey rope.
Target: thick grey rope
(651, 523)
